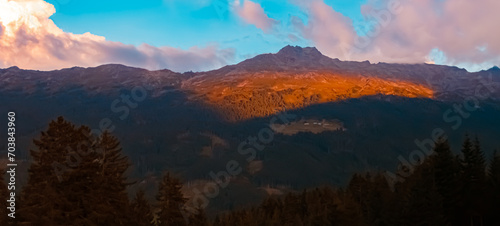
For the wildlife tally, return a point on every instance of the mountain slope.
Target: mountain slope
(293, 78)
(259, 94)
(298, 77)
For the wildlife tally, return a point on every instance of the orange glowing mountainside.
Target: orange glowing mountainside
(249, 95)
(293, 78)
(297, 77)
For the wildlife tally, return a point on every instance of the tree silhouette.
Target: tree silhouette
(447, 179)
(141, 209)
(494, 189)
(433, 193)
(199, 218)
(473, 169)
(425, 204)
(171, 201)
(75, 179)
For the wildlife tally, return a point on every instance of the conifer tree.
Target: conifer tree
(199, 218)
(425, 206)
(141, 209)
(75, 179)
(494, 171)
(479, 166)
(430, 194)
(291, 208)
(171, 201)
(447, 179)
(494, 190)
(217, 221)
(473, 178)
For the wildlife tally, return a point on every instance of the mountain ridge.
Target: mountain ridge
(285, 51)
(294, 77)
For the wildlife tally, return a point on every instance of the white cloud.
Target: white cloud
(29, 39)
(253, 13)
(464, 31)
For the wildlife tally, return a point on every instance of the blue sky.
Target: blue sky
(182, 24)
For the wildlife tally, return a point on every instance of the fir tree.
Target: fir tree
(199, 218)
(473, 178)
(75, 179)
(425, 206)
(171, 201)
(447, 179)
(494, 190)
(494, 171)
(141, 209)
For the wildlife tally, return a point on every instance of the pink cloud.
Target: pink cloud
(465, 31)
(253, 13)
(330, 30)
(29, 39)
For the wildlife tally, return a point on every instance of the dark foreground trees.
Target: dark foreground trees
(79, 179)
(141, 209)
(170, 202)
(75, 179)
(445, 189)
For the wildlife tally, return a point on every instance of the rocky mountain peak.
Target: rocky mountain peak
(299, 52)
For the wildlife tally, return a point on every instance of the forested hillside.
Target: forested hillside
(80, 179)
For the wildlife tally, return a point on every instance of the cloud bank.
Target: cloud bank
(454, 32)
(30, 40)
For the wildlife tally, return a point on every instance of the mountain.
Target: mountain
(349, 116)
(297, 77)
(102, 79)
(293, 78)
(494, 69)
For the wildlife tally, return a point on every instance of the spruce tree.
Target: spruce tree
(447, 179)
(217, 221)
(425, 206)
(75, 179)
(171, 201)
(141, 209)
(291, 208)
(494, 171)
(199, 218)
(473, 178)
(494, 190)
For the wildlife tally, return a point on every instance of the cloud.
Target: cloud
(330, 30)
(29, 39)
(253, 13)
(408, 31)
